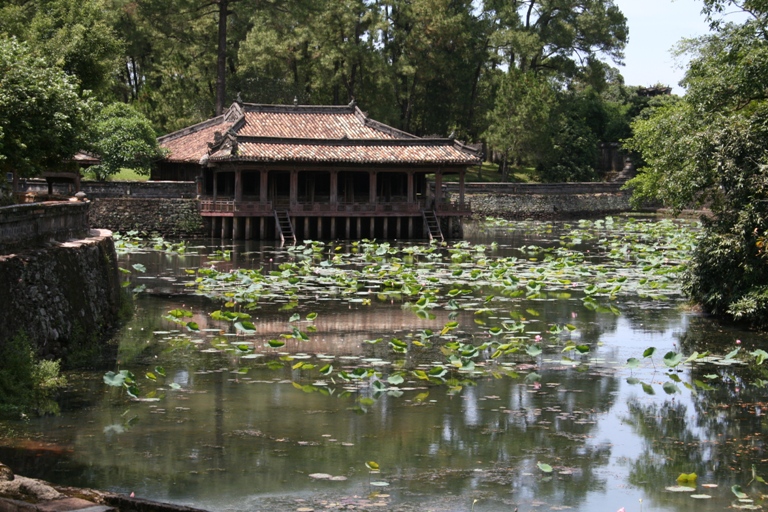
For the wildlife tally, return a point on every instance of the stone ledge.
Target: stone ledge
(22, 494)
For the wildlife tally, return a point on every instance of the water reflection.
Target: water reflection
(238, 435)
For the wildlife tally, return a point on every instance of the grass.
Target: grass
(123, 175)
(489, 173)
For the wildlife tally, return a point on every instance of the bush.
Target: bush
(26, 384)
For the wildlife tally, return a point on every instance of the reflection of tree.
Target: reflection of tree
(720, 440)
(269, 436)
(651, 316)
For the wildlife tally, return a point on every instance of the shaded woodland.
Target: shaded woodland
(537, 80)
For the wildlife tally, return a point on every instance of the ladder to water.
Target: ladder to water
(284, 226)
(433, 225)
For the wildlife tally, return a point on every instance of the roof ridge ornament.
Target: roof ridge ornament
(295, 101)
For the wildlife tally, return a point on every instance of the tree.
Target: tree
(518, 122)
(574, 131)
(43, 115)
(124, 139)
(74, 35)
(709, 149)
(559, 42)
(564, 37)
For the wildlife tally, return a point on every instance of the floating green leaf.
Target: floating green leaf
(546, 468)
(736, 490)
(672, 359)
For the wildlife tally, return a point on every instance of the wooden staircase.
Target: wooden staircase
(284, 226)
(433, 225)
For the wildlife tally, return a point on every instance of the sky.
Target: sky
(655, 26)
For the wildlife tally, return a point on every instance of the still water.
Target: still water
(226, 431)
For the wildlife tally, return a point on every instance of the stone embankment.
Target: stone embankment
(59, 280)
(169, 217)
(171, 210)
(517, 201)
(166, 208)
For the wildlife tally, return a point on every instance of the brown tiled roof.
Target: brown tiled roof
(190, 144)
(285, 133)
(419, 151)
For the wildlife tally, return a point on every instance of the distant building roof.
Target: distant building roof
(300, 133)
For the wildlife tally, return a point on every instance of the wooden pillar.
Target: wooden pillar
(226, 227)
(262, 228)
(237, 223)
(372, 228)
(386, 228)
(372, 189)
(294, 197)
(438, 188)
(397, 229)
(319, 228)
(333, 228)
(334, 198)
(411, 194)
(348, 226)
(306, 229)
(264, 187)
(410, 228)
(215, 226)
(359, 227)
(238, 185)
(249, 228)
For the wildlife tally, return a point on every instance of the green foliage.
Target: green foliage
(572, 155)
(573, 28)
(518, 122)
(124, 139)
(26, 384)
(709, 148)
(43, 117)
(76, 36)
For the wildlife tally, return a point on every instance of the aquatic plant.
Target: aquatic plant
(28, 385)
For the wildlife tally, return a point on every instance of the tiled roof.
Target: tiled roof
(311, 125)
(372, 152)
(190, 144)
(286, 133)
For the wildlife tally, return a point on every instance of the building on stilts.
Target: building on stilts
(317, 173)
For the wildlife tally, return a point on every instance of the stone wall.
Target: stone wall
(99, 189)
(32, 225)
(544, 201)
(172, 218)
(65, 298)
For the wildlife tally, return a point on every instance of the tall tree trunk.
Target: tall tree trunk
(221, 57)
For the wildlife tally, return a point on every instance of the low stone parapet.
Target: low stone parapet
(33, 225)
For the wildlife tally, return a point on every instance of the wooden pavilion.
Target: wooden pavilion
(317, 172)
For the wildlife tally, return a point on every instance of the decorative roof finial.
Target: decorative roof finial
(239, 99)
(352, 103)
(295, 101)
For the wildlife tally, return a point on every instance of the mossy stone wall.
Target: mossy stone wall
(65, 298)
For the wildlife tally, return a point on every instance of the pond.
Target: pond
(538, 366)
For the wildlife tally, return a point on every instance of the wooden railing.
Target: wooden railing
(230, 206)
(257, 208)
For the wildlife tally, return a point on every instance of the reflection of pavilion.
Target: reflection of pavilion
(316, 172)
